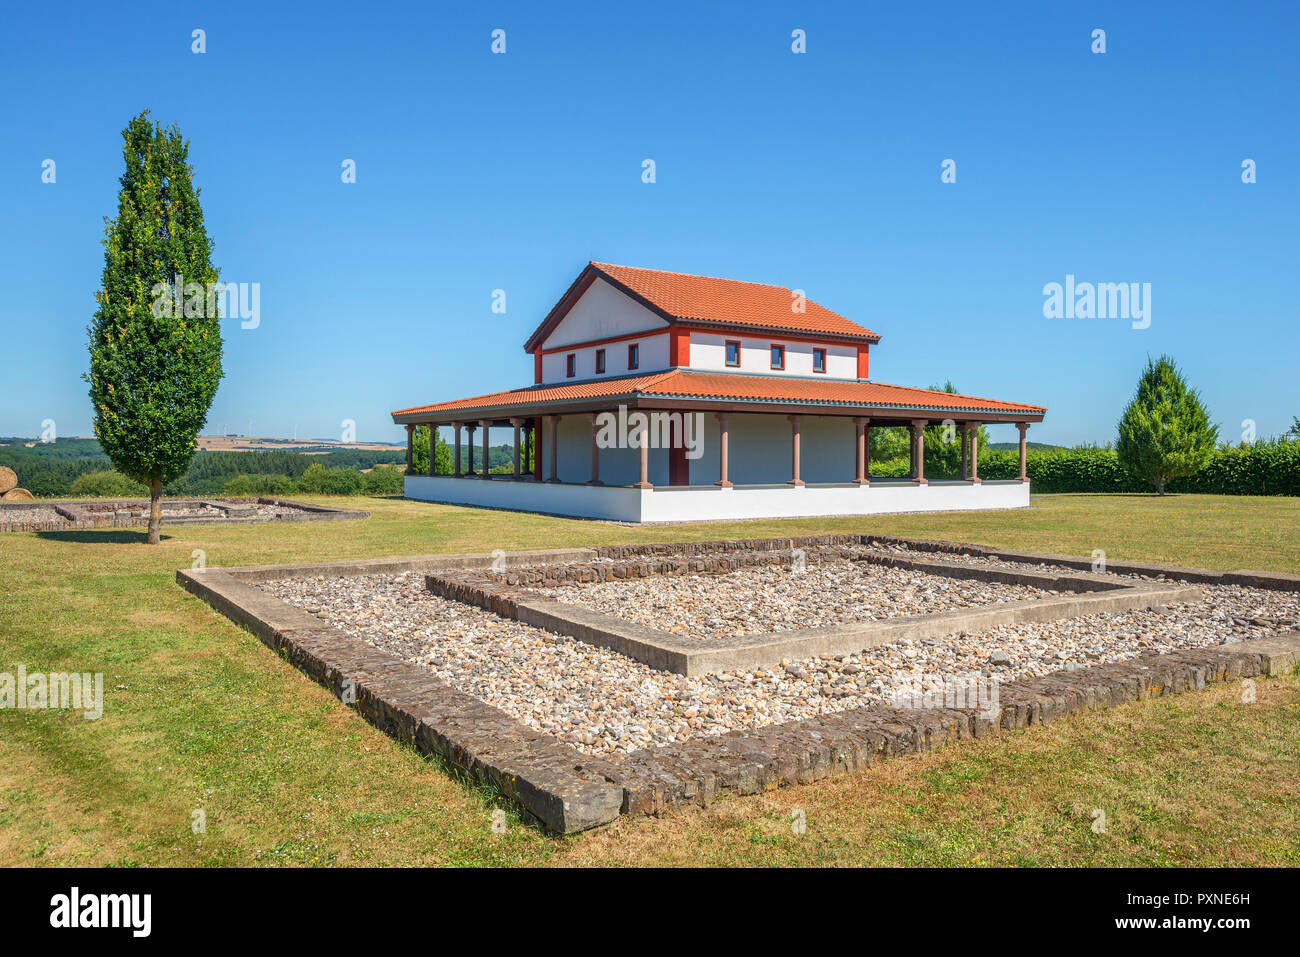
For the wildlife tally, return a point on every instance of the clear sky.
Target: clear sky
(820, 171)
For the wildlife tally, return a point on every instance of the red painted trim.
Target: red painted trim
(571, 365)
(777, 345)
(822, 370)
(600, 362)
(739, 353)
(537, 368)
(731, 334)
(679, 347)
(606, 341)
(633, 349)
(679, 470)
(862, 362)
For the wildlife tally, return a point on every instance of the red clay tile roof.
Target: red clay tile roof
(707, 301)
(532, 395)
(679, 383)
(827, 391)
(730, 301)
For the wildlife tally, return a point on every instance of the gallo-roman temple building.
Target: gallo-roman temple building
(664, 397)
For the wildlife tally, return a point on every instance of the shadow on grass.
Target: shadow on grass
(93, 536)
(1151, 495)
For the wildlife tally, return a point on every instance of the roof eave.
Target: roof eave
(653, 399)
(713, 325)
(1029, 413)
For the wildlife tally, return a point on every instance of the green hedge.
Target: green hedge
(106, 484)
(894, 468)
(386, 480)
(1265, 468)
(318, 480)
(249, 485)
(1063, 470)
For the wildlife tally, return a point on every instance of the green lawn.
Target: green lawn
(201, 716)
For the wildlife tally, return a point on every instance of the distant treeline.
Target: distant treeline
(77, 469)
(48, 470)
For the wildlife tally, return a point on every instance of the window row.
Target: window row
(633, 361)
(732, 350)
(777, 354)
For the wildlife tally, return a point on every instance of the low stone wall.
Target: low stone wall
(107, 513)
(749, 762)
(508, 593)
(1279, 581)
(568, 791)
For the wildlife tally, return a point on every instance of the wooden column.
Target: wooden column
(537, 447)
(487, 427)
(795, 480)
(975, 452)
(723, 438)
(918, 451)
(516, 423)
(469, 441)
(595, 451)
(644, 481)
(866, 450)
(410, 447)
(555, 447)
(433, 444)
(860, 427)
(1023, 427)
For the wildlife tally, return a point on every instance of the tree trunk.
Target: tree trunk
(155, 512)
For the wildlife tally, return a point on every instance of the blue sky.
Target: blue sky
(819, 171)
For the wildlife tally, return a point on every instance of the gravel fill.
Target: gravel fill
(766, 598)
(37, 514)
(601, 702)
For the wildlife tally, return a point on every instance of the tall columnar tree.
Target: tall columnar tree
(155, 342)
(1165, 433)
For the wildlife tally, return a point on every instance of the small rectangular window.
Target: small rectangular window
(778, 357)
(600, 362)
(733, 353)
(570, 365)
(819, 360)
(634, 356)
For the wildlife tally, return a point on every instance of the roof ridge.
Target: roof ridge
(689, 275)
(655, 379)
